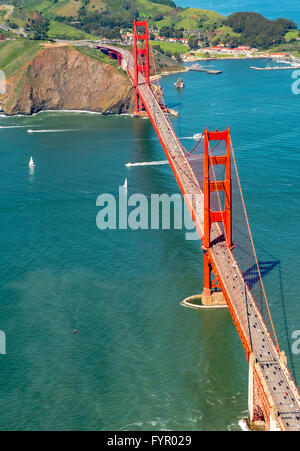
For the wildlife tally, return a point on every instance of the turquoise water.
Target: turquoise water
(268, 8)
(139, 360)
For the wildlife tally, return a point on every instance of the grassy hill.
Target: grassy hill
(149, 10)
(193, 19)
(89, 19)
(166, 47)
(14, 54)
(59, 30)
(189, 18)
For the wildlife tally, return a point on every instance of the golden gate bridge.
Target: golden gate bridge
(208, 178)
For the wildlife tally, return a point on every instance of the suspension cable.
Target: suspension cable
(247, 329)
(253, 247)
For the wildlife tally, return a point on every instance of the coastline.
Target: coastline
(4, 115)
(229, 58)
(186, 69)
(166, 74)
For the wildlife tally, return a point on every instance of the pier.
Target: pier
(276, 68)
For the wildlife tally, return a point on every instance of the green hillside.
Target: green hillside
(14, 54)
(61, 30)
(89, 19)
(70, 8)
(193, 19)
(162, 12)
(150, 10)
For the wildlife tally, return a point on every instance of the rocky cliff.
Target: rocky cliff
(63, 78)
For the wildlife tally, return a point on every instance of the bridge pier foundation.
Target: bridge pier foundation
(250, 388)
(263, 415)
(274, 427)
(256, 420)
(140, 113)
(214, 298)
(212, 294)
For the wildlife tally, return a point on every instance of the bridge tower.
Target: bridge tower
(141, 59)
(212, 293)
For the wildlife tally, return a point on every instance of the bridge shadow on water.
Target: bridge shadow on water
(251, 275)
(252, 279)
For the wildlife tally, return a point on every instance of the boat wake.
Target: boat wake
(188, 137)
(243, 425)
(12, 126)
(51, 131)
(195, 137)
(148, 163)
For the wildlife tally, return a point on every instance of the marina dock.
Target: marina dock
(276, 68)
(198, 68)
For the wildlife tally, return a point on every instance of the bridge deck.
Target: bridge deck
(281, 386)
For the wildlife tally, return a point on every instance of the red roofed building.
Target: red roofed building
(244, 48)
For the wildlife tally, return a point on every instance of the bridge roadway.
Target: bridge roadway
(253, 331)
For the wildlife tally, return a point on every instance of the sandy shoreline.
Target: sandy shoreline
(166, 74)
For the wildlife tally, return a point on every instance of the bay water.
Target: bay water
(139, 359)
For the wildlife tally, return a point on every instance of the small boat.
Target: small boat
(31, 163)
(179, 83)
(173, 113)
(198, 136)
(125, 184)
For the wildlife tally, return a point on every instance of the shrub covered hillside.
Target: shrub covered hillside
(89, 19)
(257, 31)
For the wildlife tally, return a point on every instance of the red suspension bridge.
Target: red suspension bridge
(212, 199)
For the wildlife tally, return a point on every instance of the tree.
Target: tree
(193, 42)
(258, 31)
(39, 31)
(178, 57)
(287, 24)
(168, 32)
(178, 34)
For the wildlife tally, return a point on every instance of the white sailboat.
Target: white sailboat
(198, 136)
(125, 184)
(31, 163)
